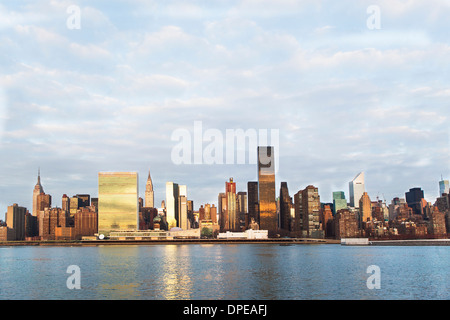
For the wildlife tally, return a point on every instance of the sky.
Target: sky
(92, 86)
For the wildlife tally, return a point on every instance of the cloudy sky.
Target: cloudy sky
(344, 95)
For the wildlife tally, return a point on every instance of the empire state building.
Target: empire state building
(36, 192)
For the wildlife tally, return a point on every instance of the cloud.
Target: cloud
(108, 96)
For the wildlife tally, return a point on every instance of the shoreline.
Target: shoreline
(90, 243)
(284, 241)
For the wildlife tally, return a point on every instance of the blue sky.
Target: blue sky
(108, 96)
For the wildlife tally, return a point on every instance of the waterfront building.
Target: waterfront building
(357, 188)
(252, 201)
(327, 221)
(213, 214)
(43, 201)
(232, 222)
(298, 222)
(146, 217)
(242, 214)
(310, 213)
(268, 219)
(182, 219)
(285, 207)
(49, 220)
(346, 224)
(85, 222)
(437, 223)
(15, 220)
(118, 196)
(172, 198)
(339, 201)
(222, 208)
(149, 193)
(31, 226)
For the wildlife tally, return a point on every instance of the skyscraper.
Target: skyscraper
(252, 202)
(118, 201)
(15, 219)
(222, 207)
(241, 203)
(172, 197)
(36, 192)
(285, 207)
(182, 220)
(310, 213)
(414, 199)
(365, 208)
(230, 193)
(266, 184)
(149, 194)
(357, 189)
(444, 187)
(339, 201)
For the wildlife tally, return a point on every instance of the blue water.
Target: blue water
(243, 271)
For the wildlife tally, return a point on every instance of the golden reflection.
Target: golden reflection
(177, 272)
(117, 271)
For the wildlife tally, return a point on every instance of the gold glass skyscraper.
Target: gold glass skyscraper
(118, 201)
(266, 184)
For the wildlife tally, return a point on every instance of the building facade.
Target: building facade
(357, 189)
(268, 219)
(118, 201)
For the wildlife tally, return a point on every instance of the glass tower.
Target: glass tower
(118, 201)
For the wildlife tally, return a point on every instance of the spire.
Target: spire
(39, 176)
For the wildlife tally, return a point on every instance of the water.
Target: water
(243, 271)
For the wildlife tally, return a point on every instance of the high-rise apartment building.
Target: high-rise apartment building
(357, 189)
(268, 219)
(118, 201)
(310, 213)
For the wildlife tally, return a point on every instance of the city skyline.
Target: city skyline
(108, 96)
(57, 202)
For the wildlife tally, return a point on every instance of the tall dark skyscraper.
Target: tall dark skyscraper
(267, 197)
(252, 201)
(414, 199)
(285, 207)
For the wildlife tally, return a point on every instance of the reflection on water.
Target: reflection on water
(253, 271)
